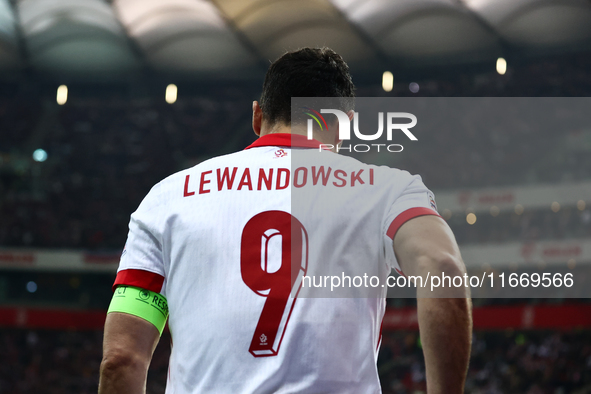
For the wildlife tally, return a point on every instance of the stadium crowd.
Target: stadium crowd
(527, 362)
(530, 225)
(504, 362)
(102, 159)
(62, 362)
(105, 153)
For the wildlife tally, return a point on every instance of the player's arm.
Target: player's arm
(424, 245)
(127, 350)
(134, 323)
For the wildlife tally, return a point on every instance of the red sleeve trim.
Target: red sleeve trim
(139, 278)
(406, 216)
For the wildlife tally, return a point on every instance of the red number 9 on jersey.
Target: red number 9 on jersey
(270, 278)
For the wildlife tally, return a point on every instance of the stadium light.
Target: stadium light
(31, 287)
(501, 66)
(62, 94)
(171, 93)
(518, 209)
(413, 87)
(471, 218)
(555, 207)
(387, 81)
(39, 155)
(581, 205)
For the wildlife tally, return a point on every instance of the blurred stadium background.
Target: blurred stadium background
(99, 100)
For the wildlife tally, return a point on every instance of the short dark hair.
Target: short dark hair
(307, 72)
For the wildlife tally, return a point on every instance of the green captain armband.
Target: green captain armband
(146, 304)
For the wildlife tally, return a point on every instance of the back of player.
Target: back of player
(240, 247)
(225, 243)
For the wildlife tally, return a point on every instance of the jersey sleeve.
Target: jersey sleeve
(141, 263)
(415, 200)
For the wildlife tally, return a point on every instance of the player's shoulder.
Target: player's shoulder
(214, 162)
(382, 171)
(166, 190)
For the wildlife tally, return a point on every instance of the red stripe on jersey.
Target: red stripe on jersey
(139, 278)
(285, 139)
(380, 337)
(406, 216)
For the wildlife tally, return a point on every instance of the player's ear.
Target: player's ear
(257, 117)
(350, 114)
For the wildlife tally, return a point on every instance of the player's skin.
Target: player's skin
(423, 244)
(128, 346)
(427, 244)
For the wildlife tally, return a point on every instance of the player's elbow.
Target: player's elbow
(120, 361)
(451, 264)
(448, 263)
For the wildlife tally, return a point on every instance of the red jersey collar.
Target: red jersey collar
(285, 139)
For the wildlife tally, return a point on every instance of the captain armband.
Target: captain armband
(143, 303)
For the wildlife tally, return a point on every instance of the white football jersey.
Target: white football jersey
(220, 241)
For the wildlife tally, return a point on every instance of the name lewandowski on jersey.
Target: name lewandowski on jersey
(273, 179)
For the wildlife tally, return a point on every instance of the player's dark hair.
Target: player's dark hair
(307, 72)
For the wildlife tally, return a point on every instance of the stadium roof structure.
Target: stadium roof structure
(235, 39)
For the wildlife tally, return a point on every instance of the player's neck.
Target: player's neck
(285, 129)
(275, 129)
